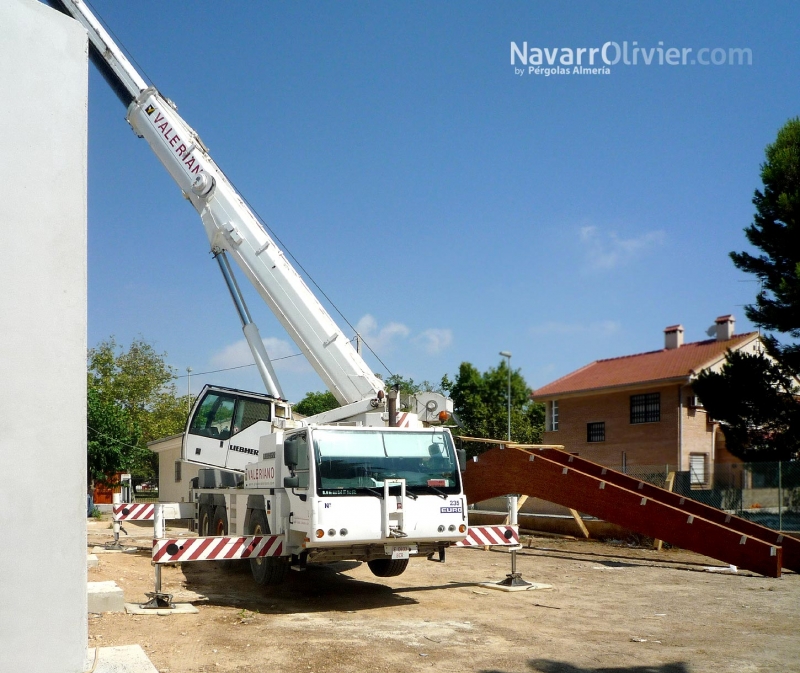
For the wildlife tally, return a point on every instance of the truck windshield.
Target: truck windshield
(349, 461)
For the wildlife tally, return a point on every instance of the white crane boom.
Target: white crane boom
(230, 224)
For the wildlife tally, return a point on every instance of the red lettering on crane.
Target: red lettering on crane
(174, 139)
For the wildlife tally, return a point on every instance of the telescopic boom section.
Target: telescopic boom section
(229, 223)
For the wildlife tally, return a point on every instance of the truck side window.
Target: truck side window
(249, 412)
(302, 458)
(213, 418)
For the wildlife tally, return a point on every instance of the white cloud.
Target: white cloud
(434, 340)
(381, 340)
(280, 351)
(602, 328)
(609, 250)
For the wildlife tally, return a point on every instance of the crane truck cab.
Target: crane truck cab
(374, 494)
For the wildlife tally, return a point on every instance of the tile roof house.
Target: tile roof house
(640, 409)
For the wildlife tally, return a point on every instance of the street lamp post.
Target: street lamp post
(507, 354)
(514, 579)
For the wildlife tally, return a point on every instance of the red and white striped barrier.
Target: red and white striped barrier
(128, 511)
(494, 536)
(216, 548)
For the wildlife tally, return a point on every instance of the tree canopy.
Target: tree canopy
(315, 403)
(480, 401)
(132, 400)
(112, 439)
(755, 397)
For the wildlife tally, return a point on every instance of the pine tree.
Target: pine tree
(755, 397)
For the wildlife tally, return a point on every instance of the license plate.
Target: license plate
(400, 552)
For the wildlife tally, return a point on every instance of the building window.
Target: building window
(177, 471)
(698, 469)
(552, 426)
(596, 432)
(646, 408)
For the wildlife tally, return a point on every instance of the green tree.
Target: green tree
(755, 396)
(480, 401)
(112, 439)
(407, 386)
(315, 403)
(141, 384)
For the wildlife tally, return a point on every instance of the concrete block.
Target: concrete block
(122, 659)
(105, 597)
(179, 609)
(92, 561)
(533, 586)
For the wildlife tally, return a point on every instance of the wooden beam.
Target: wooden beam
(791, 545)
(668, 486)
(580, 523)
(500, 471)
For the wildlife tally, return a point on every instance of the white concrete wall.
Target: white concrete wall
(43, 77)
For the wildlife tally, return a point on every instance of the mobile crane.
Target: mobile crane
(340, 485)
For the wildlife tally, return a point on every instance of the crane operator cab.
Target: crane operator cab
(225, 425)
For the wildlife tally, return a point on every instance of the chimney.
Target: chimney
(725, 327)
(673, 337)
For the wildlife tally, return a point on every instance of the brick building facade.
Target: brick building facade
(640, 409)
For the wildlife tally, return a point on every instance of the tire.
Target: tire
(267, 570)
(205, 514)
(219, 528)
(388, 567)
(219, 521)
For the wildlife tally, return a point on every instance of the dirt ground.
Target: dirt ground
(613, 608)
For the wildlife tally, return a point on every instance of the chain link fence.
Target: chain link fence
(765, 493)
(144, 490)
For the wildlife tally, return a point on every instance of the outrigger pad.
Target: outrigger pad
(158, 601)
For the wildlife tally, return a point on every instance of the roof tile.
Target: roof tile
(644, 367)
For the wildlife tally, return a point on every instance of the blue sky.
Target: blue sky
(450, 208)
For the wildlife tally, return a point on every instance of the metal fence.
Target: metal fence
(144, 490)
(765, 493)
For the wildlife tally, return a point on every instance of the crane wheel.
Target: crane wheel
(219, 527)
(387, 567)
(267, 570)
(204, 517)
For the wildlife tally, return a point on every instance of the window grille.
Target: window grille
(697, 469)
(596, 432)
(646, 408)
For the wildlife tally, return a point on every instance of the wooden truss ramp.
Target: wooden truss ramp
(547, 473)
(790, 545)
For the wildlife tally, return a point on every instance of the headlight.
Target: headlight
(332, 531)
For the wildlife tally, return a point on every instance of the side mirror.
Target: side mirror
(291, 482)
(290, 454)
(462, 459)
